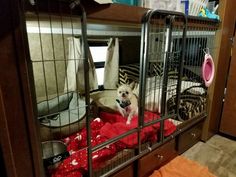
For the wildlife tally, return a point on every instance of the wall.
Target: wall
(49, 50)
(48, 55)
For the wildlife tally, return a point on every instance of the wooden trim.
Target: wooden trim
(18, 133)
(13, 131)
(5, 140)
(28, 92)
(126, 172)
(189, 137)
(116, 13)
(28, 96)
(222, 59)
(2, 164)
(228, 123)
(108, 13)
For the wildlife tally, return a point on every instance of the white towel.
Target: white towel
(112, 64)
(74, 80)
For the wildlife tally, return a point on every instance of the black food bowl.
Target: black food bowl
(53, 152)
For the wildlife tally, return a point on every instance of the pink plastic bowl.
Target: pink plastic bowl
(208, 70)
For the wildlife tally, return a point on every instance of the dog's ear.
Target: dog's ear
(132, 85)
(118, 85)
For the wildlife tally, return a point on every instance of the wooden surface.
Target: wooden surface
(106, 13)
(228, 119)
(126, 172)
(115, 13)
(221, 60)
(156, 159)
(18, 138)
(13, 130)
(190, 137)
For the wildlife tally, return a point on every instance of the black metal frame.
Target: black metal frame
(143, 73)
(144, 61)
(169, 18)
(86, 78)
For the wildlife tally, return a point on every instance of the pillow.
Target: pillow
(130, 73)
(173, 74)
(155, 69)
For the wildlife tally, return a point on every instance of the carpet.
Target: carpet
(218, 154)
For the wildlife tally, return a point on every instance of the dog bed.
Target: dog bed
(61, 116)
(105, 100)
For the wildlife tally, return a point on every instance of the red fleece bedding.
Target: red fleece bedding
(116, 125)
(102, 129)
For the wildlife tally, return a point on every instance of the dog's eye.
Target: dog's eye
(119, 91)
(127, 93)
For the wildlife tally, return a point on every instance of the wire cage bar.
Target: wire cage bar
(62, 98)
(163, 61)
(199, 39)
(64, 109)
(172, 55)
(70, 124)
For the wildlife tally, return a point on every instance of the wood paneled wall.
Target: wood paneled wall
(216, 91)
(18, 137)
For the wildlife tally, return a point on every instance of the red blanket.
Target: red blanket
(109, 126)
(116, 125)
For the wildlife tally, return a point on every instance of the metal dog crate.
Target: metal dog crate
(170, 57)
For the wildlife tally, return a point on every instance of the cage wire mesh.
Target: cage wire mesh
(193, 96)
(161, 69)
(180, 93)
(58, 50)
(57, 95)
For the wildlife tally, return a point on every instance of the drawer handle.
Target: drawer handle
(193, 135)
(149, 148)
(160, 157)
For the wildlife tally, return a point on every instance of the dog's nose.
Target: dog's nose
(123, 94)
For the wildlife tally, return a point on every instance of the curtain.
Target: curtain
(74, 80)
(112, 64)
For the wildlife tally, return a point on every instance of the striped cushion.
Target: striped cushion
(129, 73)
(123, 77)
(173, 74)
(155, 69)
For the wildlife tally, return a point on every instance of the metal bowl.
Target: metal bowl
(53, 152)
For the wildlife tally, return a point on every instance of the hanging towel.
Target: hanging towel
(74, 80)
(112, 64)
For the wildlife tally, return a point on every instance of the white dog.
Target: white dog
(127, 102)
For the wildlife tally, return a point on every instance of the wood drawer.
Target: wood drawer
(190, 137)
(156, 159)
(126, 172)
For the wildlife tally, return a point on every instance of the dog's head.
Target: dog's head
(124, 92)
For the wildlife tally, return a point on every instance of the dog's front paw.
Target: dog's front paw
(128, 122)
(124, 114)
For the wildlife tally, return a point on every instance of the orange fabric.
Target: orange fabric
(182, 167)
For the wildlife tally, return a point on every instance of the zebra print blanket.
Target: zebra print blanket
(192, 103)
